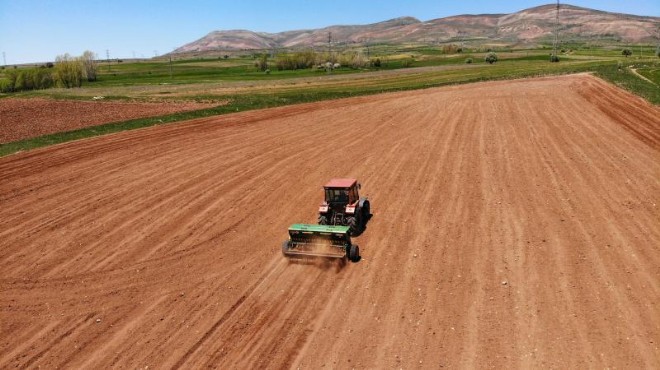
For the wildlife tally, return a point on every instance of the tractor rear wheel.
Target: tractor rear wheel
(354, 253)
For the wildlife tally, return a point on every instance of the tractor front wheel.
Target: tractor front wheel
(323, 220)
(354, 253)
(351, 222)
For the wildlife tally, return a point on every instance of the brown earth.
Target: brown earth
(511, 229)
(27, 118)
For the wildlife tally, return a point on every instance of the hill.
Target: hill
(529, 26)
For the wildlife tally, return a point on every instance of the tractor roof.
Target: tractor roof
(340, 183)
(314, 229)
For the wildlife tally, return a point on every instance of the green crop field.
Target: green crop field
(240, 86)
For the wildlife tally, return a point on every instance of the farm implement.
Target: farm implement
(320, 241)
(342, 214)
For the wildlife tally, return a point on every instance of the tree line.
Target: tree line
(68, 71)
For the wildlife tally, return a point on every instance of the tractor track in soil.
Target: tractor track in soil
(516, 224)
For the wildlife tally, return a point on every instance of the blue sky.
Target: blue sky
(38, 30)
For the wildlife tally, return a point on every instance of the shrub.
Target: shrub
(27, 79)
(353, 60)
(88, 60)
(5, 87)
(626, 52)
(491, 58)
(299, 60)
(262, 63)
(468, 61)
(375, 62)
(69, 71)
(309, 59)
(451, 49)
(554, 59)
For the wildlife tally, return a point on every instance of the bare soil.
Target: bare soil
(27, 118)
(516, 225)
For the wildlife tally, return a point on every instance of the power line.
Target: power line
(107, 56)
(554, 44)
(170, 66)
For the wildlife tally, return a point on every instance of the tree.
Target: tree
(491, 58)
(68, 71)
(626, 52)
(262, 64)
(90, 67)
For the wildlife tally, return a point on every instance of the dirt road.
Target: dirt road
(516, 224)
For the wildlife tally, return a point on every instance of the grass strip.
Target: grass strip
(302, 94)
(623, 77)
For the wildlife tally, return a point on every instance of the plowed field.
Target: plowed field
(515, 224)
(27, 118)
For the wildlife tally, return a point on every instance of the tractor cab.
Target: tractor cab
(341, 191)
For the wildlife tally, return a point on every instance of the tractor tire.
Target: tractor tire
(354, 253)
(352, 224)
(323, 220)
(366, 210)
(285, 247)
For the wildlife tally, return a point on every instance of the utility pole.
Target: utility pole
(554, 57)
(4, 59)
(329, 44)
(461, 35)
(107, 56)
(170, 66)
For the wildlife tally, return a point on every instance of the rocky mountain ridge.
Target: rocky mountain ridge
(529, 26)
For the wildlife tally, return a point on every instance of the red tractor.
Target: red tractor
(343, 205)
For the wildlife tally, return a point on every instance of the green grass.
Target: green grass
(652, 73)
(303, 94)
(519, 64)
(625, 79)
